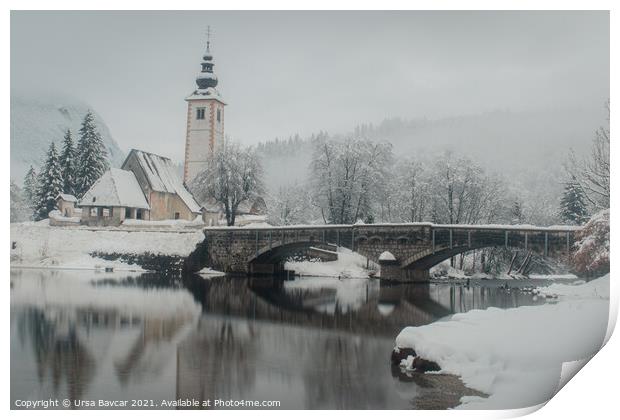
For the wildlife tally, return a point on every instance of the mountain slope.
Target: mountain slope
(38, 120)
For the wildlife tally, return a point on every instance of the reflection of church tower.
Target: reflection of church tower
(205, 119)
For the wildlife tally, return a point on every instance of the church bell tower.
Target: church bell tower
(205, 118)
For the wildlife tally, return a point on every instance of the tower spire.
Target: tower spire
(206, 78)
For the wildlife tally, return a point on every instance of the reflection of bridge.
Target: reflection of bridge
(277, 301)
(416, 246)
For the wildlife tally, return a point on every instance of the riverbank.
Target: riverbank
(39, 245)
(516, 355)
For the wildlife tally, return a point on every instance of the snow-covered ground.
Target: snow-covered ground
(444, 270)
(37, 244)
(348, 265)
(517, 355)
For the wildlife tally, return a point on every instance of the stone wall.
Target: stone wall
(148, 261)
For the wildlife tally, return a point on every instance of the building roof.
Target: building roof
(118, 188)
(67, 197)
(162, 176)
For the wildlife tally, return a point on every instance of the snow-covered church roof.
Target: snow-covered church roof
(162, 176)
(118, 188)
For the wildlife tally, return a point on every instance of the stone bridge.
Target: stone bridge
(416, 246)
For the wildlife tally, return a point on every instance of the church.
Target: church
(147, 186)
(205, 130)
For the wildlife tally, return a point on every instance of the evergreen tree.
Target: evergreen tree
(30, 187)
(50, 184)
(573, 204)
(92, 156)
(68, 164)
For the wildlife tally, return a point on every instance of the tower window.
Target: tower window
(200, 113)
(219, 115)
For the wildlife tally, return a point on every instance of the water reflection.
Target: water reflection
(309, 343)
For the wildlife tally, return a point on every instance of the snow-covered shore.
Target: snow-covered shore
(517, 355)
(37, 244)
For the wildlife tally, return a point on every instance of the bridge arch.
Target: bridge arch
(278, 251)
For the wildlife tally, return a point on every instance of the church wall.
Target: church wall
(165, 205)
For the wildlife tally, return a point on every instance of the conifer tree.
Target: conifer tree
(573, 204)
(92, 156)
(50, 184)
(30, 188)
(68, 163)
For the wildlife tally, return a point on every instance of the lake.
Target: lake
(309, 343)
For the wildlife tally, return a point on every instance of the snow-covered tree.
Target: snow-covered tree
(50, 184)
(462, 192)
(92, 157)
(290, 206)
(31, 186)
(516, 212)
(410, 197)
(573, 208)
(233, 175)
(68, 164)
(20, 210)
(349, 176)
(592, 173)
(591, 253)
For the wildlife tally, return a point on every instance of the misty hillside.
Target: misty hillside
(37, 121)
(528, 148)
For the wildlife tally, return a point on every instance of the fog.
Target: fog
(300, 72)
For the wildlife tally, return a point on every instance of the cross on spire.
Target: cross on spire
(208, 37)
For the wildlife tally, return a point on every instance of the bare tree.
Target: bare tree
(289, 206)
(592, 173)
(348, 177)
(232, 176)
(411, 198)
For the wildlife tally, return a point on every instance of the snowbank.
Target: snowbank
(348, 265)
(39, 245)
(516, 355)
(57, 216)
(387, 256)
(595, 289)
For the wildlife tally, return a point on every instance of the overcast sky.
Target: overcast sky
(300, 72)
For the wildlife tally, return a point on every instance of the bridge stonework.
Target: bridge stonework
(417, 247)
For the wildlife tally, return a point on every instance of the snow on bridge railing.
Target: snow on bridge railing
(517, 228)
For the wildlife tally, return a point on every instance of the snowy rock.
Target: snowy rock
(400, 354)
